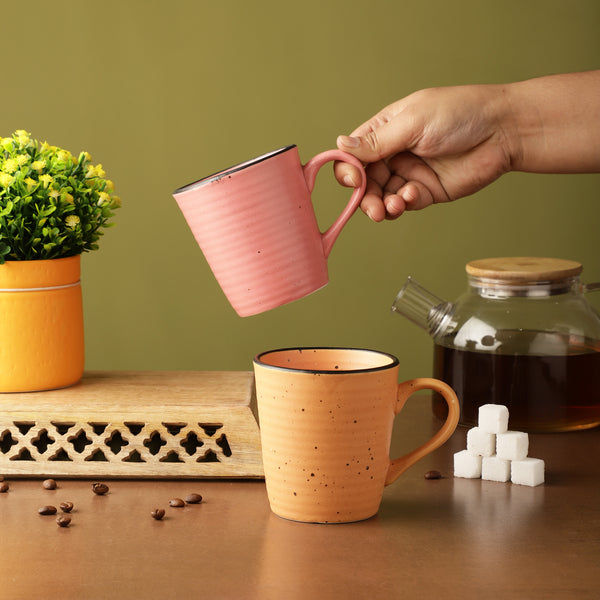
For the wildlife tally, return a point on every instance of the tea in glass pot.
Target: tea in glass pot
(523, 334)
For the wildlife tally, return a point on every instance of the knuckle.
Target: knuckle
(372, 143)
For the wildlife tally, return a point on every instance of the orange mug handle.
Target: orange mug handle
(405, 390)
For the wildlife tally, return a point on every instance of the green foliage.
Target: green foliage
(52, 204)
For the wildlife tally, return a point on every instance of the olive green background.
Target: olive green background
(162, 93)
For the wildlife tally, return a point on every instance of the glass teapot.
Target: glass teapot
(523, 335)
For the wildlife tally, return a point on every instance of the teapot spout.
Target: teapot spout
(425, 309)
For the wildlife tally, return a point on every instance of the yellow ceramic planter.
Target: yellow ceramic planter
(41, 324)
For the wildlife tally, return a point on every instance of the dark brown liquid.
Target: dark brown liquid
(542, 393)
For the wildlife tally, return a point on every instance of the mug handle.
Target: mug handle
(405, 390)
(311, 168)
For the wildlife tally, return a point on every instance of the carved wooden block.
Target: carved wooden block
(147, 424)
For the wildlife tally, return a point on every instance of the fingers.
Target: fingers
(347, 174)
(416, 196)
(411, 196)
(374, 140)
(397, 179)
(367, 149)
(404, 183)
(373, 207)
(382, 200)
(378, 143)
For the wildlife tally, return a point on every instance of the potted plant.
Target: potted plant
(53, 207)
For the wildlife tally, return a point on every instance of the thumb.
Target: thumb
(377, 143)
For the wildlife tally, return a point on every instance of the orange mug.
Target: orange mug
(326, 418)
(257, 228)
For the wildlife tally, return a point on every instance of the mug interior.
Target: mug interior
(230, 170)
(327, 360)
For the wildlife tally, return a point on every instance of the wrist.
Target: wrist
(552, 123)
(513, 124)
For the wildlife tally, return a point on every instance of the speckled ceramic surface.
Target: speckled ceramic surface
(326, 418)
(256, 226)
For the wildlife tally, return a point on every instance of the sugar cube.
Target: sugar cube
(529, 471)
(493, 418)
(495, 469)
(512, 445)
(481, 442)
(467, 465)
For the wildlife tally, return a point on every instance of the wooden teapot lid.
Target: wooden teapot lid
(522, 269)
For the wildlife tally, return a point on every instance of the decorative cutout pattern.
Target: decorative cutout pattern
(149, 424)
(114, 442)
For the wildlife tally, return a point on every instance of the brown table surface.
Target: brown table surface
(447, 538)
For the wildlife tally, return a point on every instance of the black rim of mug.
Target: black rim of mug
(393, 360)
(227, 172)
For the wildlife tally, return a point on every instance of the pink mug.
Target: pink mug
(257, 228)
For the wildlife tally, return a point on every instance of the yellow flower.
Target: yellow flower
(31, 183)
(68, 198)
(72, 221)
(22, 159)
(22, 137)
(7, 143)
(96, 171)
(63, 156)
(38, 165)
(110, 186)
(11, 165)
(54, 194)
(5, 179)
(103, 197)
(46, 179)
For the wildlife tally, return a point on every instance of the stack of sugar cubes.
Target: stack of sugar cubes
(497, 454)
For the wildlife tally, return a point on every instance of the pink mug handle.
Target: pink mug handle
(311, 168)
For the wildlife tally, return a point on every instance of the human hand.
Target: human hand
(435, 145)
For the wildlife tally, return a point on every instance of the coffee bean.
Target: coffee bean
(3, 487)
(47, 510)
(63, 521)
(176, 502)
(1, 477)
(158, 513)
(193, 499)
(49, 484)
(99, 488)
(433, 475)
(66, 507)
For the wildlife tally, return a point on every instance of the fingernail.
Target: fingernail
(348, 181)
(348, 142)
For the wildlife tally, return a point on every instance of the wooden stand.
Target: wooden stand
(137, 424)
